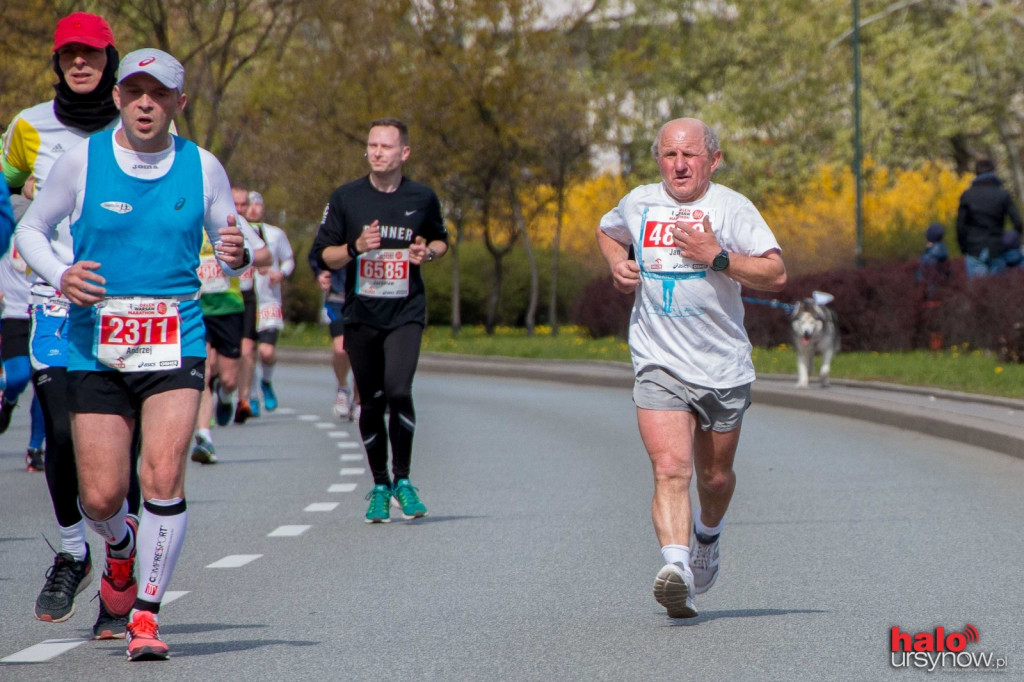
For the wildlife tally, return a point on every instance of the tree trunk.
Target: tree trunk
(456, 283)
(498, 254)
(517, 213)
(495, 296)
(555, 245)
(1013, 158)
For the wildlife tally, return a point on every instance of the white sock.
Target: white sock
(676, 554)
(112, 530)
(72, 540)
(131, 615)
(205, 434)
(161, 536)
(224, 396)
(699, 526)
(268, 372)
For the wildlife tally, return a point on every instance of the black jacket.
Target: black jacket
(982, 215)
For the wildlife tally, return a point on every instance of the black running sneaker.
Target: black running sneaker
(64, 580)
(109, 626)
(6, 410)
(34, 460)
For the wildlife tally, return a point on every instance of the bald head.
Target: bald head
(692, 127)
(687, 153)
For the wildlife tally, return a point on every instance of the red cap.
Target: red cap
(82, 27)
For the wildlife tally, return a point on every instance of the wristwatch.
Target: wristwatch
(721, 261)
(431, 255)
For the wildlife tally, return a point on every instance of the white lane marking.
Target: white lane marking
(351, 458)
(308, 418)
(352, 471)
(285, 410)
(325, 425)
(338, 434)
(321, 507)
(172, 595)
(288, 531)
(44, 651)
(234, 561)
(342, 487)
(347, 445)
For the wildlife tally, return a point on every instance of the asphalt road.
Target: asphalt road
(537, 559)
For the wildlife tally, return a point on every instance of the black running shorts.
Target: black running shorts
(249, 316)
(122, 393)
(224, 333)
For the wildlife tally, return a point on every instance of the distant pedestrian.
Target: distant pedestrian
(981, 219)
(933, 267)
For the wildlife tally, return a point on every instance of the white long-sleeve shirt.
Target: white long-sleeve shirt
(64, 193)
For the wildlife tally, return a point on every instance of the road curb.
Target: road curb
(774, 390)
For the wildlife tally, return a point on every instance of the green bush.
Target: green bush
(476, 276)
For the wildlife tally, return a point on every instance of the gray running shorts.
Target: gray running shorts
(718, 409)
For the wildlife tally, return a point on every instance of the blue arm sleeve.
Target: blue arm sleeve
(6, 219)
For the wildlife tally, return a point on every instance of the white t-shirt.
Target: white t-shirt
(284, 262)
(688, 319)
(15, 288)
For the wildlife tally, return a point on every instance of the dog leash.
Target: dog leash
(773, 303)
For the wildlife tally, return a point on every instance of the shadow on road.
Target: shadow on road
(708, 616)
(431, 519)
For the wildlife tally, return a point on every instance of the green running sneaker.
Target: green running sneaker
(406, 495)
(203, 451)
(378, 511)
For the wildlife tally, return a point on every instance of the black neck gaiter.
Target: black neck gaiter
(94, 110)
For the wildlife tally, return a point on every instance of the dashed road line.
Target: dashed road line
(339, 434)
(342, 487)
(288, 531)
(351, 458)
(352, 471)
(172, 595)
(321, 507)
(325, 425)
(44, 651)
(347, 445)
(234, 561)
(309, 418)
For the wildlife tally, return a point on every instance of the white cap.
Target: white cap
(157, 64)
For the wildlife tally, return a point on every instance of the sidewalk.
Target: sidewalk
(993, 423)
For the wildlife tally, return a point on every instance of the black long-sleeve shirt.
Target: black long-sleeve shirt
(411, 211)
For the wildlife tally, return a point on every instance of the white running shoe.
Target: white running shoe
(342, 402)
(673, 588)
(354, 411)
(704, 564)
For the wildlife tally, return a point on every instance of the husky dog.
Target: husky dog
(815, 330)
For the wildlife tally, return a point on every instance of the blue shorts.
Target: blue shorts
(335, 321)
(48, 340)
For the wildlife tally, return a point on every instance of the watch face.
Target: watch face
(721, 262)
